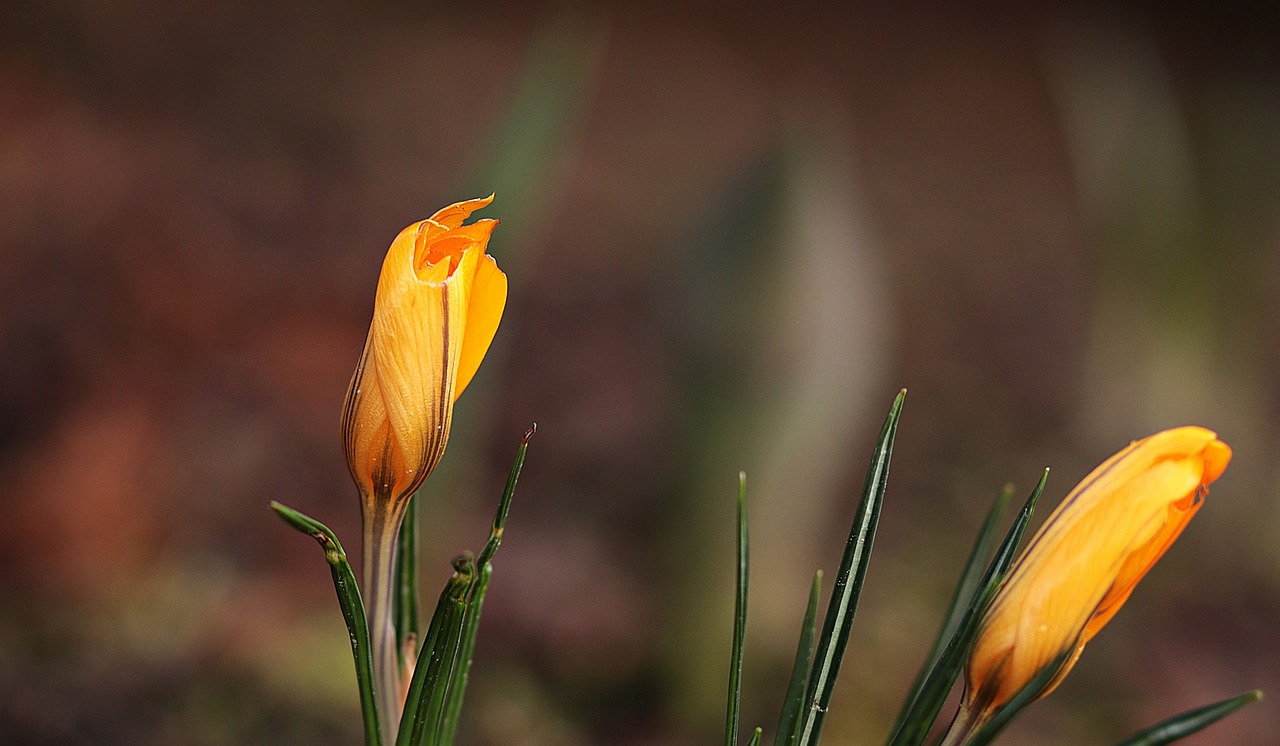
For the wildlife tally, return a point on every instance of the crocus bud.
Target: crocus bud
(438, 304)
(1085, 560)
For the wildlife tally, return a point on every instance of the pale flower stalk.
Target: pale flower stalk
(439, 300)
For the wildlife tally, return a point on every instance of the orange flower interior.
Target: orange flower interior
(442, 236)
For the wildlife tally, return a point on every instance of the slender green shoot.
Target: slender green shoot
(466, 652)
(789, 722)
(475, 598)
(430, 676)
(966, 588)
(739, 620)
(447, 662)
(344, 582)
(504, 505)
(922, 711)
(848, 583)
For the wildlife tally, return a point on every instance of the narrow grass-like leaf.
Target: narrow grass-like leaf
(920, 715)
(793, 702)
(405, 606)
(344, 582)
(739, 620)
(504, 505)
(475, 597)
(1184, 724)
(962, 600)
(755, 737)
(431, 676)
(1008, 550)
(971, 579)
(466, 651)
(449, 657)
(848, 583)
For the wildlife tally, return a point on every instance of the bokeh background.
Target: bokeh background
(733, 232)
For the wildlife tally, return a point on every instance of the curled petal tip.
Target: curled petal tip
(453, 215)
(1216, 457)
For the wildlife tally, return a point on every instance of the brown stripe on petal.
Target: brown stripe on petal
(438, 413)
(354, 395)
(384, 477)
(445, 400)
(433, 448)
(989, 687)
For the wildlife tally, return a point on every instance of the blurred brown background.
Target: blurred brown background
(733, 232)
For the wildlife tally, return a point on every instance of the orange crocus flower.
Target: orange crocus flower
(439, 300)
(1085, 560)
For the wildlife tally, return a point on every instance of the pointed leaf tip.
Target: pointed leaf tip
(843, 603)
(1184, 724)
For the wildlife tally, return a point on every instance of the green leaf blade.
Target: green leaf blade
(793, 702)
(1184, 724)
(405, 602)
(966, 590)
(475, 599)
(344, 582)
(739, 619)
(848, 583)
(922, 711)
(424, 701)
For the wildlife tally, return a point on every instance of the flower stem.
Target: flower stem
(380, 539)
(962, 727)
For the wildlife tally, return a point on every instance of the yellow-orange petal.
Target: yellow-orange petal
(484, 312)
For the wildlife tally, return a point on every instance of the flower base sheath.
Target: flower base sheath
(439, 300)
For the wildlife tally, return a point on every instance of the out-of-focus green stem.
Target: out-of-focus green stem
(961, 601)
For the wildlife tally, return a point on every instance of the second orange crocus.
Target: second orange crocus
(1083, 563)
(439, 300)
